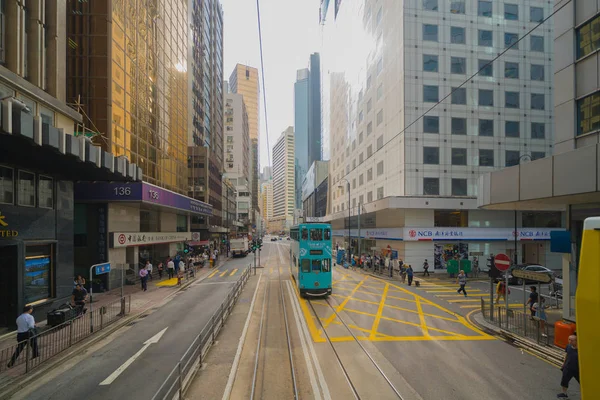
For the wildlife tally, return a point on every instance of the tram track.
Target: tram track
(273, 318)
(344, 367)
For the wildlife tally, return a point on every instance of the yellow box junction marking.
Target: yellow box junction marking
(223, 274)
(233, 272)
(213, 273)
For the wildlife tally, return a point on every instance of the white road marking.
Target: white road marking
(238, 354)
(298, 312)
(154, 339)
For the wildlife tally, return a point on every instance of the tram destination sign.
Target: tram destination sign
(532, 276)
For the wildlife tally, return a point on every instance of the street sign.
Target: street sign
(102, 268)
(502, 262)
(532, 276)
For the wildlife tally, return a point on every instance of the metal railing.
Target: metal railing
(182, 374)
(54, 340)
(518, 322)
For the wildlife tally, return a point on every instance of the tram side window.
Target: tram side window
(316, 234)
(316, 265)
(306, 265)
(304, 234)
(326, 265)
(327, 234)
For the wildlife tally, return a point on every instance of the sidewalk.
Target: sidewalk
(139, 302)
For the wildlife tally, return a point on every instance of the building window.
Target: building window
(512, 100)
(536, 14)
(536, 155)
(45, 192)
(379, 117)
(459, 187)
(486, 38)
(361, 180)
(430, 5)
(588, 37)
(511, 40)
(486, 127)
(538, 101)
(47, 115)
(430, 94)
(369, 197)
(451, 219)
(7, 185)
(369, 82)
(511, 70)
(380, 168)
(459, 126)
(486, 97)
(486, 158)
(588, 114)
(459, 96)
(536, 43)
(182, 223)
(431, 155)
(430, 32)
(537, 72)
(459, 156)
(511, 12)
(484, 8)
(361, 158)
(369, 151)
(354, 186)
(379, 142)
(379, 66)
(458, 65)
(457, 6)
(486, 68)
(369, 174)
(541, 219)
(379, 91)
(369, 105)
(457, 35)
(431, 186)
(430, 63)
(26, 189)
(431, 124)
(538, 130)
(361, 116)
(512, 158)
(360, 138)
(369, 128)
(379, 16)
(38, 272)
(380, 193)
(512, 129)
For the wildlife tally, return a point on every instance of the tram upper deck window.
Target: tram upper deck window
(316, 234)
(327, 234)
(326, 265)
(316, 265)
(306, 265)
(304, 234)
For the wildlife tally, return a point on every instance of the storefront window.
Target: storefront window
(26, 189)
(541, 219)
(149, 221)
(7, 185)
(182, 223)
(38, 273)
(451, 219)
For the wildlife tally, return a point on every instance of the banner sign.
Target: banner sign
(126, 239)
(451, 234)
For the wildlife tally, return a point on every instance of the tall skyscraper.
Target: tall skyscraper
(132, 90)
(314, 110)
(267, 204)
(244, 80)
(205, 138)
(385, 142)
(284, 180)
(301, 124)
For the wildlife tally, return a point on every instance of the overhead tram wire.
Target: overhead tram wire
(461, 85)
(264, 90)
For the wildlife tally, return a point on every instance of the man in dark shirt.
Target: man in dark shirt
(79, 296)
(570, 368)
(533, 298)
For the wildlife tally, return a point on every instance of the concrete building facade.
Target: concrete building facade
(284, 180)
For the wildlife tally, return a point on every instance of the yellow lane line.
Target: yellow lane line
(343, 304)
(360, 312)
(379, 312)
(223, 274)
(471, 306)
(233, 272)
(320, 303)
(450, 291)
(401, 298)
(411, 338)
(214, 273)
(356, 299)
(422, 318)
(425, 314)
(359, 291)
(464, 301)
(418, 326)
(312, 327)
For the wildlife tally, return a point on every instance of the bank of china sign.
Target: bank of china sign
(126, 239)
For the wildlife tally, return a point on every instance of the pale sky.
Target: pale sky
(291, 32)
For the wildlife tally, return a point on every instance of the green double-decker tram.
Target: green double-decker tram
(310, 258)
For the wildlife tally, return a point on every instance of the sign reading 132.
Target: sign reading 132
(122, 191)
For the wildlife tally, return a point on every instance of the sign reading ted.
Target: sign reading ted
(6, 233)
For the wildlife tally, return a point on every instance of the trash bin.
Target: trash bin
(60, 315)
(562, 331)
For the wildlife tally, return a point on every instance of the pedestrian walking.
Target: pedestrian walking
(533, 298)
(425, 268)
(570, 367)
(144, 278)
(171, 268)
(160, 268)
(149, 268)
(462, 281)
(501, 291)
(540, 312)
(26, 334)
(409, 274)
(180, 273)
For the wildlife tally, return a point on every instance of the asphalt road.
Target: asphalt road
(183, 316)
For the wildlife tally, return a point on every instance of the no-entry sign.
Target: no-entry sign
(502, 262)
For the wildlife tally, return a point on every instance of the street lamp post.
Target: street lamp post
(348, 249)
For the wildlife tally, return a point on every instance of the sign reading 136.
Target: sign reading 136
(153, 194)
(122, 191)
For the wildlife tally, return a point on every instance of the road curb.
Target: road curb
(13, 386)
